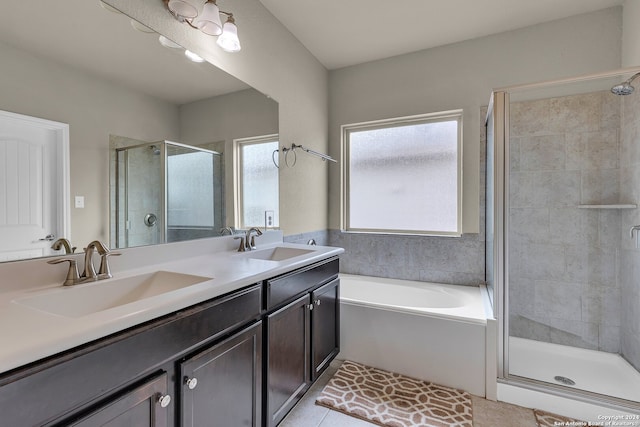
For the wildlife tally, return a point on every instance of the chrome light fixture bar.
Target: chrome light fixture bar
(207, 20)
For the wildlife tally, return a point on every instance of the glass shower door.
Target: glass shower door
(570, 197)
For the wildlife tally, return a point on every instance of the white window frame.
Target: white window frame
(237, 176)
(396, 122)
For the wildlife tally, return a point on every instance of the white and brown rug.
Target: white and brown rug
(547, 419)
(389, 399)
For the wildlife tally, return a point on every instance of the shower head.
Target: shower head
(155, 149)
(625, 87)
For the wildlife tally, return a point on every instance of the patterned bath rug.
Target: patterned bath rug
(547, 419)
(389, 399)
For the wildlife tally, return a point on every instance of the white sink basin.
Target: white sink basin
(85, 299)
(279, 253)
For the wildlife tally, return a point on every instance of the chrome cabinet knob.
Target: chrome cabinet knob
(191, 382)
(317, 302)
(164, 400)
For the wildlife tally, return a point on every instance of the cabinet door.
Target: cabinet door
(222, 385)
(325, 326)
(143, 406)
(288, 358)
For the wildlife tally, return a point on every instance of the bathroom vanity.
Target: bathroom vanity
(240, 358)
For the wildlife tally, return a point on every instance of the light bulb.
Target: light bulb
(228, 40)
(209, 19)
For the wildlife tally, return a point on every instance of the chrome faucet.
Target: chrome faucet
(104, 272)
(89, 274)
(62, 242)
(249, 240)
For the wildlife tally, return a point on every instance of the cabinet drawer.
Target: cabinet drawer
(138, 407)
(47, 391)
(288, 286)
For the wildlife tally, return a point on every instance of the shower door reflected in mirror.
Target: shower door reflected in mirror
(167, 192)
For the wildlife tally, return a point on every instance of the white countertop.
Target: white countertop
(28, 334)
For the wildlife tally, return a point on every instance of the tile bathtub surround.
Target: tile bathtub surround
(450, 260)
(563, 273)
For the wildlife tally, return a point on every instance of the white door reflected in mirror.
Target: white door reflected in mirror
(33, 190)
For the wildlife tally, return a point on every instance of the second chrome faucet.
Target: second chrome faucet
(248, 242)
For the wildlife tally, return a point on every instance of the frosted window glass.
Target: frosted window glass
(259, 183)
(404, 178)
(190, 190)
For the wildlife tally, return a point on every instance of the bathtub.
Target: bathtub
(429, 331)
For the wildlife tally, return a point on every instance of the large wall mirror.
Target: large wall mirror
(137, 109)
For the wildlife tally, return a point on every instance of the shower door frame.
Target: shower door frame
(498, 112)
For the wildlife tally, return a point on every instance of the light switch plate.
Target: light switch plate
(80, 202)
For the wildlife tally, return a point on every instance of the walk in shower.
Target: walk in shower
(563, 189)
(166, 192)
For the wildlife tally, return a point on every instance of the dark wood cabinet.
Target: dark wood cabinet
(56, 390)
(222, 385)
(241, 359)
(302, 334)
(325, 327)
(143, 406)
(288, 376)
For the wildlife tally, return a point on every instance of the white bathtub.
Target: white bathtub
(428, 331)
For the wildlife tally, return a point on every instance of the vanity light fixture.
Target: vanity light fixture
(207, 20)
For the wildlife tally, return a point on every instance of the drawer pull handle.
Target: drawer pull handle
(164, 400)
(191, 382)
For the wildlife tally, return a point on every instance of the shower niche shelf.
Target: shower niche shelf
(609, 206)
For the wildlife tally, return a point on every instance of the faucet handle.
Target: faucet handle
(104, 272)
(73, 276)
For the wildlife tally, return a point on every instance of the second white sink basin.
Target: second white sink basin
(279, 253)
(85, 299)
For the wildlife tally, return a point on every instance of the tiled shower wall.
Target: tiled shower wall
(563, 275)
(629, 252)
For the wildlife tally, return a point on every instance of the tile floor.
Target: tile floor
(486, 413)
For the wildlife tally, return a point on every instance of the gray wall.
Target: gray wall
(460, 75)
(631, 34)
(94, 108)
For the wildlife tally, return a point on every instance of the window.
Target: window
(257, 177)
(404, 175)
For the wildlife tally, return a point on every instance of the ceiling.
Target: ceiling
(94, 45)
(341, 33)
